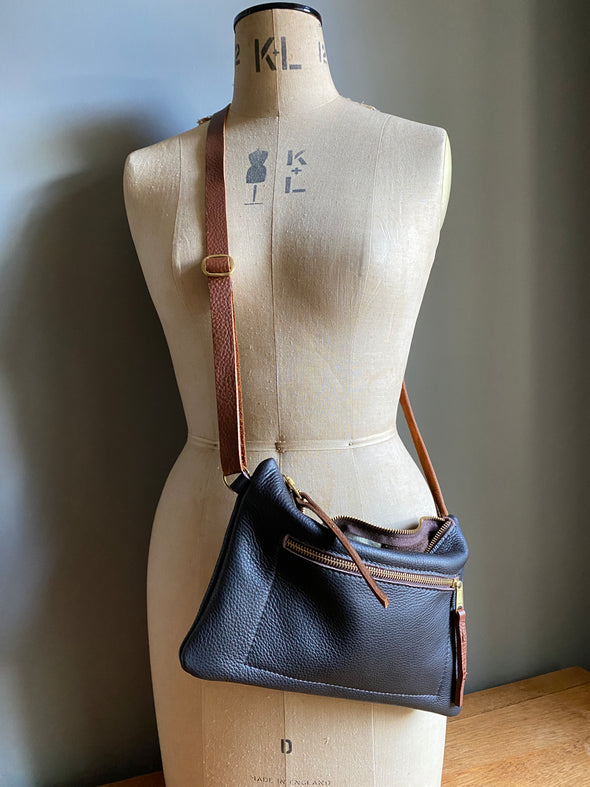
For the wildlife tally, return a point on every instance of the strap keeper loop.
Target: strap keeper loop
(207, 272)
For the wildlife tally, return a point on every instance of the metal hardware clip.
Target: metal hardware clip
(232, 265)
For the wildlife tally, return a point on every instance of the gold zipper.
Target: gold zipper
(357, 565)
(378, 528)
(439, 533)
(401, 531)
(330, 560)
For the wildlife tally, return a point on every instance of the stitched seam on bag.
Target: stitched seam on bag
(262, 613)
(353, 688)
(347, 688)
(249, 665)
(444, 672)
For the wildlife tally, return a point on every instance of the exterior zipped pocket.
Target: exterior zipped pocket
(330, 560)
(454, 584)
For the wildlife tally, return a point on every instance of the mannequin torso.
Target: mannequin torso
(334, 211)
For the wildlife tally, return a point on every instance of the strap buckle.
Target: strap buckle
(232, 265)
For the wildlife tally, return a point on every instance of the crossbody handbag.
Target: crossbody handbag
(303, 601)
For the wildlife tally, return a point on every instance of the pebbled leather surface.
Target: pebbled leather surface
(461, 645)
(228, 387)
(275, 619)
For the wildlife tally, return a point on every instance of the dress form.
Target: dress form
(334, 213)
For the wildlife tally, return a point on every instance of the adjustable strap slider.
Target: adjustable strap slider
(215, 274)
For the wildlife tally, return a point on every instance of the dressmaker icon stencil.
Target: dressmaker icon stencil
(256, 172)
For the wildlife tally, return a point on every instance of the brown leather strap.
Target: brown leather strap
(420, 447)
(228, 390)
(228, 387)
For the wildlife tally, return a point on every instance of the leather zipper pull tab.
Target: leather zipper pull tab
(303, 500)
(460, 650)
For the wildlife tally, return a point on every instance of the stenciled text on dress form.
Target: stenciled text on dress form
(333, 216)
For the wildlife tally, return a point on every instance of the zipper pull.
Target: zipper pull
(305, 501)
(291, 485)
(460, 643)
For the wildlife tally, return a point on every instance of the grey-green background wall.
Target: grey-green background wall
(90, 416)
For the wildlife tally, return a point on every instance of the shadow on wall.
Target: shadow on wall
(97, 423)
(559, 552)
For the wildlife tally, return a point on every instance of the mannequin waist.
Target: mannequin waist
(286, 445)
(371, 477)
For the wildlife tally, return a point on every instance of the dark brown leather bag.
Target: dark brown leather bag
(292, 603)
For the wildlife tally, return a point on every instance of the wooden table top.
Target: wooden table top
(532, 732)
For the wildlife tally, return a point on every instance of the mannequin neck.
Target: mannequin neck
(281, 67)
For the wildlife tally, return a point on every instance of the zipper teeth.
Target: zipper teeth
(380, 529)
(327, 559)
(439, 534)
(368, 524)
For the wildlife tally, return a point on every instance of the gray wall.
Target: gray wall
(90, 416)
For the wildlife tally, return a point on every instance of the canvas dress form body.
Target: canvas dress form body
(334, 211)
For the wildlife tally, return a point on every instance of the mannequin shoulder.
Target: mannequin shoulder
(395, 130)
(430, 143)
(151, 190)
(151, 175)
(429, 148)
(144, 167)
(426, 148)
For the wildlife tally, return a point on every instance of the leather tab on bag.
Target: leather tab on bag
(461, 654)
(304, 501)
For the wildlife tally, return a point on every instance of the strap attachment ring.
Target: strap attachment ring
(238, 481)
